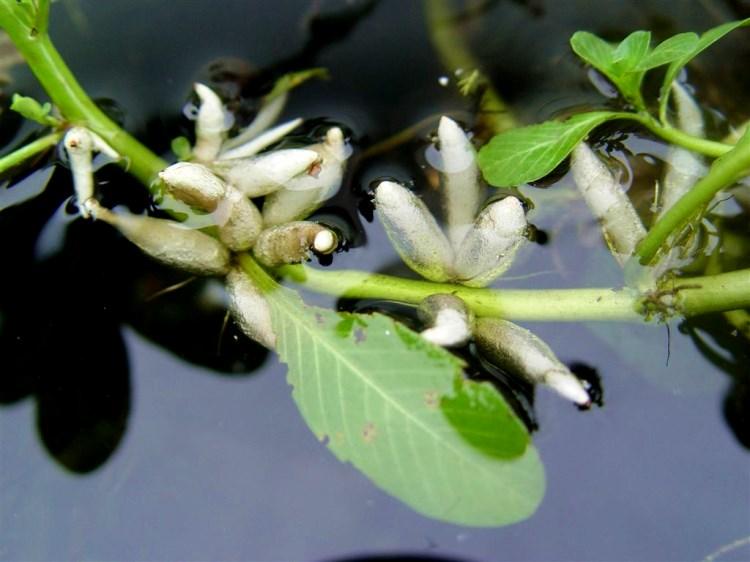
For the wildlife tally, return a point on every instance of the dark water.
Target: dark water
(190, 455)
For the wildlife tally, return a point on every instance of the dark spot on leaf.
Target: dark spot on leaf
(359, 335)
(369, 432)
(319, 318)
(432, 399)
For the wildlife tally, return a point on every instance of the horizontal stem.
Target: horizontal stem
(713, 293)
(513, 304)
(691, 297)
(675, 136)
(27, 151)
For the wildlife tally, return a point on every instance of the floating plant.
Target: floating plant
(412, 408)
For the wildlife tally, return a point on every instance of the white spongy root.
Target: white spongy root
(608, 202)
(684, 167)
(78, 144)
(519, 351)
(413, 231)
(490, 246)
(256, 144)
(211, 125)
(250, 308)
(243, 222)
(266, 173)
(305, 193)
(193, 184)
(461, 188)
(252, 139)
(167, 241)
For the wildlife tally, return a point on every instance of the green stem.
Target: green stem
(724, 172)
(713, 293)
(693, 296)
(73, 102)
(27, 151)
(42, 17)
(454, 55)
(675, 136)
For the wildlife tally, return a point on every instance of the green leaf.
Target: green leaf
(399, 409)
(618, 63)
(669, 50)
(706, 40)
(529, 153)
(631, 50)
(593, 50)
(291, 80)
(33, 110)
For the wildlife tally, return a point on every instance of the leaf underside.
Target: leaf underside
(399, 409)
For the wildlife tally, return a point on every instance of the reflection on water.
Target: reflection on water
(204, 467)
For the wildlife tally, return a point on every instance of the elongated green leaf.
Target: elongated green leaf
(669, 50)
(400, 411)
(33, 110)
(529, 153)
(706, 40)
(593, 50)
(293, 79)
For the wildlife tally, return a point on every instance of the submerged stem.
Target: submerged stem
(455, 55)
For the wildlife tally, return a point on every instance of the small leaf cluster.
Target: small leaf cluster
(527, 154)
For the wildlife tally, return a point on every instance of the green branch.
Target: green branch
(27, 151)
(724, 172)
(693, 296)
(675, 136)
(66, 93)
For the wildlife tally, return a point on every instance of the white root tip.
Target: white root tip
(448, 318)
(211, 125)
(325, 242)
(568, 386)
(451, 329)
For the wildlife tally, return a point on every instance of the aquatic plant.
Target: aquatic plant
(449, 446)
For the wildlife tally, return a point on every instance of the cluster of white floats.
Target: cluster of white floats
(258, 201)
